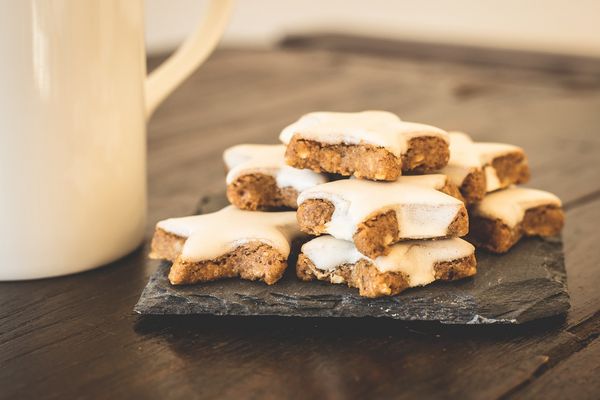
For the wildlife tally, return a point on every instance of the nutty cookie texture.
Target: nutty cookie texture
(374, 145)
(505, 216)
(409, 264)
(259, 179)
(375, 215)
(225, 244)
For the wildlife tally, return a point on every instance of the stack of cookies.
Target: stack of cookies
(387, 200)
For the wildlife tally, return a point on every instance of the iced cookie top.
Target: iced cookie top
(433, 181)
(212, 235)
(421, 210)
(488, 151)
(416, 258)
(509, 205)
(467, 156)
(245, 159)
(378, 128)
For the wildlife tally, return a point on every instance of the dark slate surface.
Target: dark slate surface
(527, 283)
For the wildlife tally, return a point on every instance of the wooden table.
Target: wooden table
(76, 336)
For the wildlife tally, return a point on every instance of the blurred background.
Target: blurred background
(554, 26)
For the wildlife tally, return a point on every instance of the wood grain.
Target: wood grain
(76, 336)
(576, 377)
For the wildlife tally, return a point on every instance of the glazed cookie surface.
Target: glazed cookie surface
(258, 177)
(373, 145)
(230, 242)
(376, 215)
(500, 220)
(481, 167)
(409, 264)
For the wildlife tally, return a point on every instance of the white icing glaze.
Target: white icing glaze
(212, 235)
(422, 211)
(464, 158)
(241, 153)
(509, 205)
(379, 128)
(416, 258)
(327, 252)
(488, 151)
(492, 182)
(245, 159)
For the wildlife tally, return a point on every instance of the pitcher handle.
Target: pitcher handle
(189, 55)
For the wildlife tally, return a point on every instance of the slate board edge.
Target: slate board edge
(152, 305)
(558, 297)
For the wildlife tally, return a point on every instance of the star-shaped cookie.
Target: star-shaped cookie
(253, 245)
(500, 220)
(374, 145)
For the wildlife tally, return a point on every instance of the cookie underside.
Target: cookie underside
(260, 192)
(371, 282)
(496, 236)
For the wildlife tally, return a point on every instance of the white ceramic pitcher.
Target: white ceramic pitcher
(74, 100)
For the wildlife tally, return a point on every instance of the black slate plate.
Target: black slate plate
(527, 283)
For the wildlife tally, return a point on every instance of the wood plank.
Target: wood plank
(444, 52)
(576, 378)
(583, 258)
